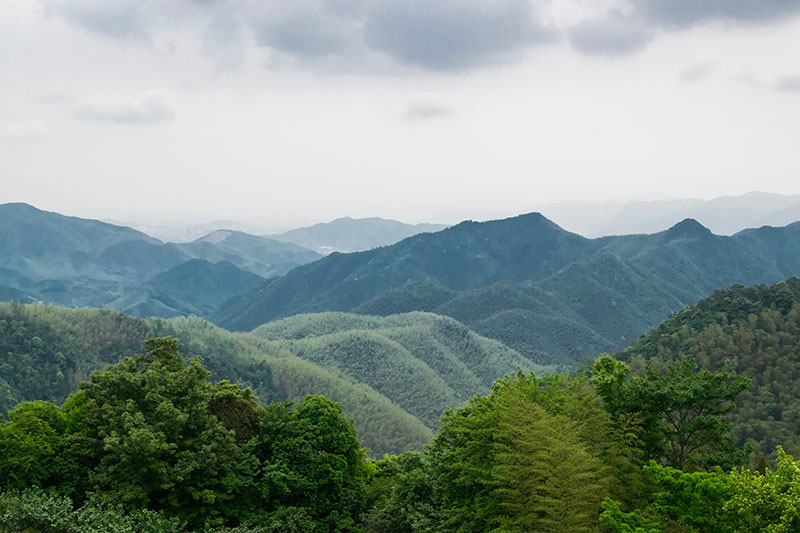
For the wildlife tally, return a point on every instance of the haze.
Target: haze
(294, 112)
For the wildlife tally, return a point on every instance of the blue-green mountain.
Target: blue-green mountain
(552, 295)
(71, 261)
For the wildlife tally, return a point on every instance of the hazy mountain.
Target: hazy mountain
(725, 215)
(553, 295)
(353, 234)
(195, 287)
(77, 262)
(187, 232)
(261, 255)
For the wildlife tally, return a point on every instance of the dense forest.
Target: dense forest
(393, 376)
(150, 444)
(754, 331)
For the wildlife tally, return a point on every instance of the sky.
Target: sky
(292, 112)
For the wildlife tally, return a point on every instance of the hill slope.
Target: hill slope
(420, 361)
(552, 295)
(754, 330)
(48, 350)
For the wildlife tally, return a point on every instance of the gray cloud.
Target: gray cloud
(116, 18)
(788, 83)
(684, 13)
(439, 35)
(612, 35)
(453, 34)
(150, 106)
(307, 27)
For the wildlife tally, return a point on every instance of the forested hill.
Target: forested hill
(754, 331)
(467, 256)
(393, 376)
(552, 295)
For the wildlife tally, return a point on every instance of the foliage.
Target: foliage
(682, 410)
(743, 501)
(517, 458)
(310, 459)
(754, 331)
(422, 362)
(49, 350)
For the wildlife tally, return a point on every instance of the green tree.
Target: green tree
(548, 479)
(157, 443)
(310, 459)
(682, 410)
(30, 445)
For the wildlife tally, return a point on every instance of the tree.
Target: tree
(548, 479)
(157, 443)
(682, 410)
(310, 459)
(30, 445)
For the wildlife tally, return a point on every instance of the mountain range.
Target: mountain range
(71, 261)
(353, 234)
(724, 215)
(553, 295)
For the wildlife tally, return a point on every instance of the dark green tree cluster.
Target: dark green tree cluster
(151, 434)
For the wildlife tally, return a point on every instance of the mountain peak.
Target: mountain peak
(688, 228)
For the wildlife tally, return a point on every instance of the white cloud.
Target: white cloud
(150, 106)
(427, 106)
(28, 130)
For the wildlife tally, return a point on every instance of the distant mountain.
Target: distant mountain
(353, 234)
(553, 295)
(188, 232)
(78, 262)
(195, 287)
(725, 215)
(261, 255)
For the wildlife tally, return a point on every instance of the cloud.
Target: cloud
(435, 35)
(307, 27)
(453, 34)
(788, 83)
(150, 106)
(28, 130)
(112, 18)
(611, 35)
(697, 72)
(426, 107)
(431, 34)
(684, 13)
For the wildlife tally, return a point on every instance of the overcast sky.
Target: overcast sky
(294, 111)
